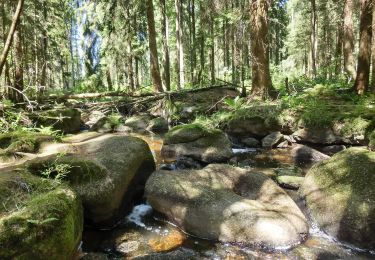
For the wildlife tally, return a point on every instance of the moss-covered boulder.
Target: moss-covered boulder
(158, 125)
(197, 142)
(66, 120)
(340, 193)
(21, 141)
(139, 122)
(256, 126)
(39, 218)
(107, 172)
(228, 204)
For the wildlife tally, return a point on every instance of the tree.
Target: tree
(361, 84)
(348, 39)
(314, 38)
(180, 45)
(167, 62)
(9, 41)
(261, 78)
(155, 71)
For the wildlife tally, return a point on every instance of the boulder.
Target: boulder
(107, 172)
(139, 122)
(158, 125)
(197, 142)
(332, 149)
(66, 120)
(39, 218)
(251, 142)
(304, 155)
(21, 142)
(341, 196)
(228, 204)
(108, 124)
(94, 120)
(252, 126)
(272, 140)
(289, 177)
(318, 135)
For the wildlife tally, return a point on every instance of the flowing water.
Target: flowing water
(145, 233)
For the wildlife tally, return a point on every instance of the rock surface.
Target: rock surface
(197, 142)
(158, 125)
(139, 122)
(228, 204)
(107, 172)
(39, 219)
(251, 142)
(253, 126)
(341, 196)
(272, 140)
(304, 155)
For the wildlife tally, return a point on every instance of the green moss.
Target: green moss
(64, 119)
(188, 133)
(41, 220)
(354, 126)
(21, 141)
(372, 140)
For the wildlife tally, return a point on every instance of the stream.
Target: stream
(145, 234)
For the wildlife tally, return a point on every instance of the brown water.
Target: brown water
(147, 233)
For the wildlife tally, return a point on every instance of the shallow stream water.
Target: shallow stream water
(145, 234)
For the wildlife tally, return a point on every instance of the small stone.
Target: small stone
(128, 247)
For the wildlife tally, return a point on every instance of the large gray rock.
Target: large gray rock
(197, 142)
(304, 155)
(158, 125)
(252, 126)
(228, 204)
(139, 122)
(272, 140)
(319, 135)
(107, 172)
(340, 194)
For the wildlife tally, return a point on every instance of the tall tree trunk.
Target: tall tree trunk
(18, 64)
(348, 39)
(373, 50)
(261, 77)
(364, 57)
(166, 60)
(212, 54)
(13, 27)
(43, 79)
(179, 44)
(155, 71)
(314, 38)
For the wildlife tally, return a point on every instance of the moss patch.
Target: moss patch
(21, 141)
(188, 133)
(38, 219)
(345, 183)
(372, 140)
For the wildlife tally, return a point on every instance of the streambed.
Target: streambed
(145, 234)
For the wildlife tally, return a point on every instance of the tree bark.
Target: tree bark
(261, 78)
(167, 61)
(18, 64)
(373, 50)
(9, 41)
(314, 38)
(179, 44)
(348, 39)
(361, 84)
(155, 71)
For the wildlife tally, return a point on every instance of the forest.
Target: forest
(187, 129)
